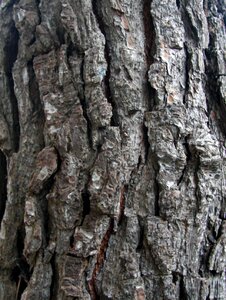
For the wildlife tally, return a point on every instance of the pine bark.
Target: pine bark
(112, 149)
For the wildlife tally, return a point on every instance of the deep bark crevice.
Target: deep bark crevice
(187, 70)
(107, 54)
(44, 207)
(84, 106)
(38, 10)
(178, 4)
(188, 159)
(149, 49)
(157, 192)
(196, 180)
(146, 143)
(11, 52)
(21, 274)
(85, 203)
(175, 277)
(101, 256)
(54, 281)
(149, 33)
(156, 185)
(182, 290)
(141, 235)
(33, 40)
(3, 184)
(190, 30)
(81, 92)
(215, 101)
(222, 215)
(124, 191)
(43, 201)
(34, 94)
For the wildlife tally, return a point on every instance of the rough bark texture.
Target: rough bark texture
(112, 160)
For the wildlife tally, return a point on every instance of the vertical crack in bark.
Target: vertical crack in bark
(196, 179)
(33, 40)
(107, 54)
(156, 191)
(187, 69)
(149, 49)
(123, 193)
(34, 94)
(149, 32)
(182, 289)
(188, 159)
(3, 184)
(48, 185)
(84, 106)
(38, 10)
(54, 281)
(11, 51)
(190, 30)
(178, 4)
(146, 143)
(101, 256)
(81, 92)
(141, 235)
(21, 274)
(85, 203)
(215, 101)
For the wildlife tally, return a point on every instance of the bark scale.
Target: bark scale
(112, 149)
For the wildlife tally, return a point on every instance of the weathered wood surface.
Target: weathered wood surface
(112, 160)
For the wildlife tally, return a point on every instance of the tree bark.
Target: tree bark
(112, 160)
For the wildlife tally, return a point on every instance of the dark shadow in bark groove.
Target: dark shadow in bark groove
(11, 51)
(178, 4)
(197, 181)
(156, 186)
(182, 289)
(149, 32)
(190, 30)
(86, 203)
(21, 275)
(38, 9)
(149, 48)
(107, 54)
(188, 159)
(71, 49)
(124, 192)
(141, 235)
(43, 201)
(34, 93)
(175, 277)
(101, 256)
(157, 191)
(187, 69)
(146, 142)
(3, 185)
(84, 106)
(215, 102)
(54, 282)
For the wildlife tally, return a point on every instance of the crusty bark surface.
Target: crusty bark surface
(112, 149)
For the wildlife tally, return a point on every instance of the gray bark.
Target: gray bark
(112, 160)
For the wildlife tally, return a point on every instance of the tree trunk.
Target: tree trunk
(112, 160)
